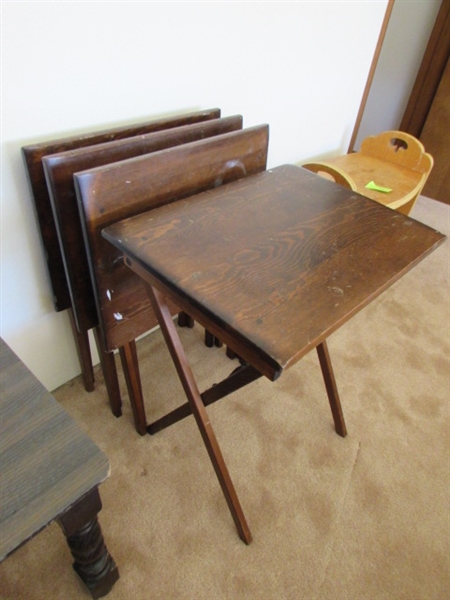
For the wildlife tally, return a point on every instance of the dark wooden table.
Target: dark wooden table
(50, 470)
(272, 265)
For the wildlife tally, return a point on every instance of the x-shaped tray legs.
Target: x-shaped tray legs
(198, 410)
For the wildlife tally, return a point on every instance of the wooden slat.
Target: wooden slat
(111, 193)
(33, 155)
(59, 170)
(275, 263)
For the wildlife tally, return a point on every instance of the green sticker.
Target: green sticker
(373, 186)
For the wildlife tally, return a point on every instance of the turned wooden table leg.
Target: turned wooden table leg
(92, 561)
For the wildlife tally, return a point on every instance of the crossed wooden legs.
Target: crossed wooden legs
(128, 356)
(198, 409)
(130, 364)
(197, 403)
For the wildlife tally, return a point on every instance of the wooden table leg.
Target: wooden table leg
(199, 411)
(211, 340)
(109, 370)
(331, 387)
(184, 320)
(130, 364)
(93, 563)
(84, 354)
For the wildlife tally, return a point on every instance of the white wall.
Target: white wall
(70, 67)
(407, 36)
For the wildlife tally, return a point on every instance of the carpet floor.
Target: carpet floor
(361, 518)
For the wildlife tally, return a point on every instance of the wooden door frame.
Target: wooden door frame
(429, 74)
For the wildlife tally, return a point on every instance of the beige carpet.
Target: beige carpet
(361, 518)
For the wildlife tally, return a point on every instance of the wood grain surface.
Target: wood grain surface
(113, 192)
(33, 154)
(274, 263)
(47, 461)
(59, 170)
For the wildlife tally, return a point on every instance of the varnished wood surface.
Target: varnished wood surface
(113, 192)
(33, 154)
(59, 170)
(47, 462)
(274, 263)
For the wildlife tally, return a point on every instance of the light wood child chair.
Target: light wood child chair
(390, 168)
